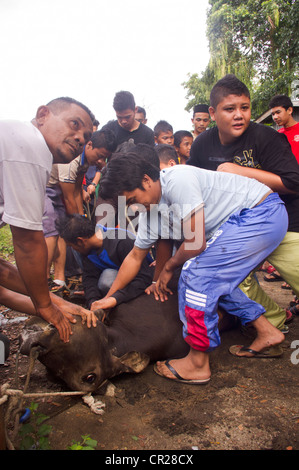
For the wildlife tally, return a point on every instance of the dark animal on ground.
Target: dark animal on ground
(134, 334)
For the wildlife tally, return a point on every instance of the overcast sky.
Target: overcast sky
(91, 49)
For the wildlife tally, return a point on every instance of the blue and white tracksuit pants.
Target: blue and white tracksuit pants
(211, 279)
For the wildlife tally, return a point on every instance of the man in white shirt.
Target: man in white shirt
(57, 134)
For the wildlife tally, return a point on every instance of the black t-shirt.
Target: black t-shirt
(114, 250)
(258, 147)
(142, 135)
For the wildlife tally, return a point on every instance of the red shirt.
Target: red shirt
(292, 134)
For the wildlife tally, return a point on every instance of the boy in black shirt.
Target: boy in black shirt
(240, 146)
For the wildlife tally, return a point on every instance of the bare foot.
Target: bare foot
(195, 366)
(267, 336)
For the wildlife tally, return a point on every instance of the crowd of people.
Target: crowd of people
(127, 209)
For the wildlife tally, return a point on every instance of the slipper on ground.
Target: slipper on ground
(274, 351)
(273, 277)
(286, 286)
(294, 310)
(178, 378)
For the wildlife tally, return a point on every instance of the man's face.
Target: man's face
(145, 198)
(66, 132)
(232, 116)
(281, 115)
(185, 147)
(200, 122)
(140, 118)
(96, 156)
(126, 118)
(165, 138)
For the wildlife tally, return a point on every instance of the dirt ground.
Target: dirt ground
(249, 404)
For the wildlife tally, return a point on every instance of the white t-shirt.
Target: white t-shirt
(186, 189)
(25, 166)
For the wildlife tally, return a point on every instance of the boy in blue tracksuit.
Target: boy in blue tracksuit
(224, 225)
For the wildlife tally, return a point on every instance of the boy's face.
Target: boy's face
(150, 195)
(165, 138)
(96, 156)
(200, 122)
(185, 147)
(281, 115)
(232, 116)
(126, 118)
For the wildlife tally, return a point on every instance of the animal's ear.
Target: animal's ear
(132, 362)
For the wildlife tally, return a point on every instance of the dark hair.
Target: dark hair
(58, 104)
(228, 85)
(104, 138)
(123, 100)
(162, 126)
(125, 172)
(281, 100)
(141, 110)
(70, 227)
(148, 153)
(96, 123)
(143, 150)
(167, 152)
(179, 135)
(201, 108)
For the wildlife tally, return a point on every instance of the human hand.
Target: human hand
(150, 289)
(86, 196)
(106, 302)
(69, 309)
(228, 167)
(91, 189)
(159, 288)
(61, 320)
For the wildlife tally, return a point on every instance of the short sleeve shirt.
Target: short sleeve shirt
(185, 190)
(65, 173)
(25, 166)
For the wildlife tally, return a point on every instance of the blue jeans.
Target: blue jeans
(106, 280)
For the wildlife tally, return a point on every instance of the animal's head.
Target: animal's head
(83, 363)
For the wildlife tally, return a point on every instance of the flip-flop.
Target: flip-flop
(275, 277)
(178, 378)
(294, 310)
(285, 285)
(274, 351)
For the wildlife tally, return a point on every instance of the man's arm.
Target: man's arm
(90, 278)
(69, 196)
(271, 180)
(31, 257)
(127, 272)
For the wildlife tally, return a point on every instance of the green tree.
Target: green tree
(255, 40)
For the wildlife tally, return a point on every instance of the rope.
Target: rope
(16, 398)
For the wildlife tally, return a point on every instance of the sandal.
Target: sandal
(273, 277)
(285, 285)
(294, 310)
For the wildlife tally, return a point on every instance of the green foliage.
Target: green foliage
(35, 433)
(6, 244)
(86, 444)
(256, 40)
